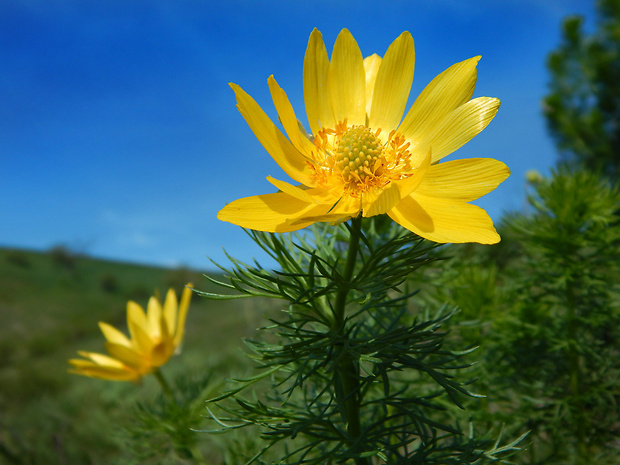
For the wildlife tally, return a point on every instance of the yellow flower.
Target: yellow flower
(155, 337)
(364, 157)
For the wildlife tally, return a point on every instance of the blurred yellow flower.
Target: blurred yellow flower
(363, 157)
(155, 337)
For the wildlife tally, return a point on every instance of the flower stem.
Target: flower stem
(347, 369)
(193, 449)
(349, 267)
(165, 387)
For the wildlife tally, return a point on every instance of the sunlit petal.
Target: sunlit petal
(279, 147)
(316, 95)
(341, 210)
(371, 67)
(346, 80)
(268, 212)
(293, 191)
(460, 126)
(380, 199)
(393, 84)
(444, 220)
(446, 92)
(464, 180)
(289, 120)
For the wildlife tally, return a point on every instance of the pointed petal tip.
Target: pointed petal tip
(504, 170)
(406, 35)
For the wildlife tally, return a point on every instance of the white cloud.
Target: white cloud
(136, 239)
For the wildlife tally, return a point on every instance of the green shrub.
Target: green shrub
(17, 258)
(63, 257)
(548, 321)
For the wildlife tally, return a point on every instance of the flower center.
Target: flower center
(356, 159)
(358, 154)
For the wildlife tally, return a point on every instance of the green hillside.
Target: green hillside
(50, 304)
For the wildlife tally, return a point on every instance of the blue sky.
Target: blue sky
(119, 135)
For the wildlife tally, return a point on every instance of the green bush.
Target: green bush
(547, 321)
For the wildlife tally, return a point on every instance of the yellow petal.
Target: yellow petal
(382, 200)
(130, 357)
(164, 348)
(316, 95)
(464, 180)
(170, 311)
(110, 373)
(445, 92)
(371, 67)
(393, 84)
(294, 191)
(460, 126)
(113, 335)
(161, 353)
(183, 307)
(268, 212)
(288, 119)
(138, 328)
(444, 220)
(154, 316)
(346, 80)
(81, 363)
(281, 150)
(339, 210)
(136, 318)
(101, 359)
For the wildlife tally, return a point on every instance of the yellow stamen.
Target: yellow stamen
(355, 151)
(357, 159)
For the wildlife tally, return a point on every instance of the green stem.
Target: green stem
(347, 370)
(349, 267)
(165, 387)
(167, 390)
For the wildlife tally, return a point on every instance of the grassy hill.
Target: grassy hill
(50, 304)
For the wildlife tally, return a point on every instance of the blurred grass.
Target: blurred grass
(50, 303)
